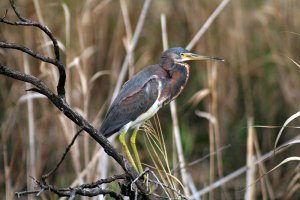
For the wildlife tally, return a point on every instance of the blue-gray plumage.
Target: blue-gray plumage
(136, 97)
(145, 93)
(157, 84)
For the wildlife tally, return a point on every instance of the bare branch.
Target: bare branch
(201, 159)
(23, 193)
(42, 88)
(106, 180)
(24, 49)
(60, 102)
(5, 14)
(45, 176)
(26, 22)
(12, 3)
(72, 192)
(34, 90)
(131, 48)
(62, 105)
(207, 24)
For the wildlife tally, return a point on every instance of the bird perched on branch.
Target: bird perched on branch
(145, 93)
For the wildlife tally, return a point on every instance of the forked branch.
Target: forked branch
(89, 190)
(60, 102)
(57, 62)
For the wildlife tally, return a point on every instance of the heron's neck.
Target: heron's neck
(179, 77)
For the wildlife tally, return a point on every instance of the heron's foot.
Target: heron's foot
(146, 180)
(144, 175)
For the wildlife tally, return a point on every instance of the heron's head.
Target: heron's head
(179, 55)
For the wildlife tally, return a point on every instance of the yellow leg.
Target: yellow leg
(133, 146)
(126, 150)
(136, 155)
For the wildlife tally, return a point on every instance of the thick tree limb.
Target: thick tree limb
(60, 102)
(63, 106)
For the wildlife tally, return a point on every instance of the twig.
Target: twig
(179, 148)
(250, 174)
(128, 30)
(192, 43)
(265, 182)
(23, 193)
(125, 65)
(176, 132)
(40, 192)
(163, 186)
(62, 105)
(202, 158)
(140, 176)
(241, 170)
(131, 47)
(207, 23)
(88, 168)
(28, 51)
(45, 176)
(160, 183)
(106, 180)
(73, 195)
(71, 192)
(60, 102)
(57, 62)
(31, 168)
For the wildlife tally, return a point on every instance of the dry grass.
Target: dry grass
(259, 40)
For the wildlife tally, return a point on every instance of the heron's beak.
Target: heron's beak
(193, 56)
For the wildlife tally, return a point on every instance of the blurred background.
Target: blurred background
(223, 102)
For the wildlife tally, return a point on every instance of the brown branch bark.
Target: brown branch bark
(60, 102)
(63, 106)
(89, 190)
(26, 22)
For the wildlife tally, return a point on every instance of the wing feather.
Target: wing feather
(129, 105)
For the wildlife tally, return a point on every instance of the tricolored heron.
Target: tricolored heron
(145, 93)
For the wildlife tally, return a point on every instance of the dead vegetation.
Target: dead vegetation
(242, 103)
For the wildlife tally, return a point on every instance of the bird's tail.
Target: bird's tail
(106, 131)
